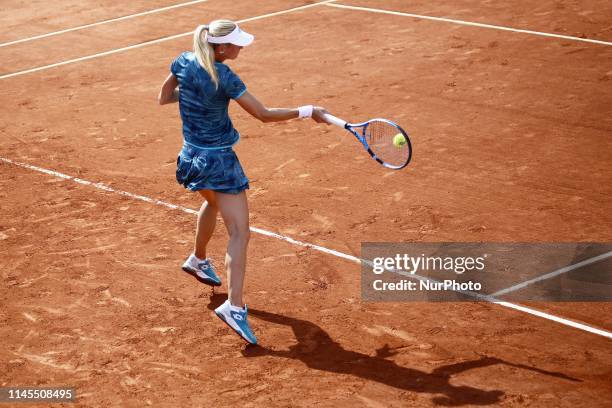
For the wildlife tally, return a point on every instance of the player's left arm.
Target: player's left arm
(169, 92)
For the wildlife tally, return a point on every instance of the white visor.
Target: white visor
(236, 37)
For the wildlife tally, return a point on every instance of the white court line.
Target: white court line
(553, 274)
(159, 40)
(524, 309)
(146, 199)
(67, 30)
(469, 23)
(104, 187)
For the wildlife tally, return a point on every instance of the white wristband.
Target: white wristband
(306, 111)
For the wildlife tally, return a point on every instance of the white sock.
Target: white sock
(194, 260)
(236, 308)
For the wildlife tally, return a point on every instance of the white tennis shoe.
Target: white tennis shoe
(204, 271)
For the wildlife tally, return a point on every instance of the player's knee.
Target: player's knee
(240, 232)
(244, 234)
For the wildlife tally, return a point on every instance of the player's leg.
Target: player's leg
(198, 264)
(234, 209)
(235, 212)
(207, 219)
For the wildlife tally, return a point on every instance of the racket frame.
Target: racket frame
(352, 127)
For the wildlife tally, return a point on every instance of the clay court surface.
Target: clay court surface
(511, 135)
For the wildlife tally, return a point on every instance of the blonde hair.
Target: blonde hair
(204, 52)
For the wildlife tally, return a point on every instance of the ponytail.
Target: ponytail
(204, 53)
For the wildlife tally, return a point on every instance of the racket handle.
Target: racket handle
(332, 120)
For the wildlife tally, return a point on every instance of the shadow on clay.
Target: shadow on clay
(318, 351)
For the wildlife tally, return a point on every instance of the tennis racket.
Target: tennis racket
(384, 140)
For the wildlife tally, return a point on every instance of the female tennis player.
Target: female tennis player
(207, 163)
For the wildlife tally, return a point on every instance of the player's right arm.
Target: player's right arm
(259, 111)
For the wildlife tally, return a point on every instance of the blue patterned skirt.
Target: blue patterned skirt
(210, 169)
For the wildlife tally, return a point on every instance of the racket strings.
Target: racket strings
(380, 137)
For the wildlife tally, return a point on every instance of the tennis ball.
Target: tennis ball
(399, 140)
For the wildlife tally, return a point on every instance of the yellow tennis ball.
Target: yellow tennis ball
(399, 140)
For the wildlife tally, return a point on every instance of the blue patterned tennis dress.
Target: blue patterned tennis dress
(207, 160)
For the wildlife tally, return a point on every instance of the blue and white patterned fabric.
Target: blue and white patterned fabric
(204, 109)
(205, 169)
(207, 160)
